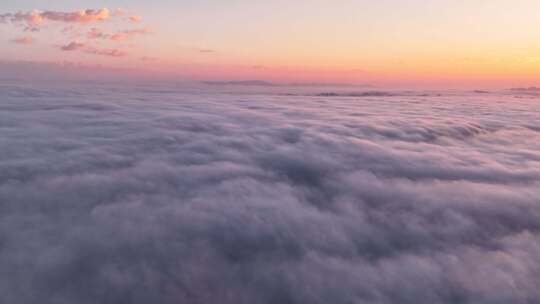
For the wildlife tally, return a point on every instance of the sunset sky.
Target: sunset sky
(416, 42)
(262, 152)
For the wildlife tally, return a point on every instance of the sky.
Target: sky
(415, 42)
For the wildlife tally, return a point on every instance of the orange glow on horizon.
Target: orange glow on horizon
(495, 43)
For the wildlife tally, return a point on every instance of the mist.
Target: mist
(117, 193)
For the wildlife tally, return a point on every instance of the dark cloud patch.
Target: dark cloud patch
(205, 51)
(77, 46)
(148, 58)
(241, 83)
(129, 195)
(530, 89)
(73, 46)
(127, 34)
(106, 52)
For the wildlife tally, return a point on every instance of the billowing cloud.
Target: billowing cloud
(26, 40)
(145, 194)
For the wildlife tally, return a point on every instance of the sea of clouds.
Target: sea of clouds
(148, 194)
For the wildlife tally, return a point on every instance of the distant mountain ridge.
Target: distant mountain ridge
(264, 83)
(261, 83)
(528, 89)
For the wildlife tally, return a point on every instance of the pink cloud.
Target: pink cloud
(69, 26)
(106, 52)
(31, 19)
(205, 51)
(67, 29)
(135, 18)
(73, 46)
(35, 18)
(23, 40)
(119, 12)
(77, 46)
(31, 29)
(96, 33)
(84, 16)
(124, 35)
(147, 58)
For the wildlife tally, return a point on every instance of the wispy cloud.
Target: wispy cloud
(205, 51)
(147, 58)
(106, 52)
(135, 18)
(73, 46)
(96, 33)
(36, 18)
(78, 46)
(23, 40)
(127, 34)
(119, 12)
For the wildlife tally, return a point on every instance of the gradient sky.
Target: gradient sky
(420, 42)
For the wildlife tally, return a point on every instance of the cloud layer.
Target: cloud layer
(143, 194)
